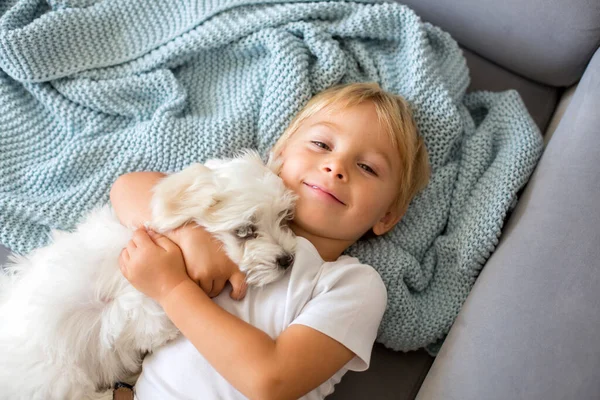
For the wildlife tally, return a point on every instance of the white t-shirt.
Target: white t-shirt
(343, 299)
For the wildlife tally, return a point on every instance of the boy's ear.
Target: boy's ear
(385, 224)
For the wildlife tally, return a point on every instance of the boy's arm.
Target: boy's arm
(130, 197)
(298, 361)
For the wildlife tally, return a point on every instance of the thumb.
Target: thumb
(160, 239)
(238, 282)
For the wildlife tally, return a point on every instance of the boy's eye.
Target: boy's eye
(320, 144)
(367, 168)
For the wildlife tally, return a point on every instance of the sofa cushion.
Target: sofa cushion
(548, 41)
(540, 99)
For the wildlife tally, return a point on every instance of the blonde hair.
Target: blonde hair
(394, 115)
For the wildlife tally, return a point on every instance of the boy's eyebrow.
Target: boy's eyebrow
(337, 128)
(327, 123)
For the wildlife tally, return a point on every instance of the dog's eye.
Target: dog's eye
(246, 232)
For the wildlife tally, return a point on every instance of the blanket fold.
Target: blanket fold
(90, 90)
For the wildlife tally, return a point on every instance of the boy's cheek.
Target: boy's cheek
(288, 173)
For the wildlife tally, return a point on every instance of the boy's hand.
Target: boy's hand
(207, 263)
(153, 264)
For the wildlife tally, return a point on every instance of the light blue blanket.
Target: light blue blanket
(90, 90)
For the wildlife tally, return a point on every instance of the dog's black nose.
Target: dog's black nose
(285, 261)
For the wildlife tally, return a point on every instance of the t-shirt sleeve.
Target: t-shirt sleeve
(347, 305)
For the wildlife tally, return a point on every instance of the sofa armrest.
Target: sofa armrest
(529, 328)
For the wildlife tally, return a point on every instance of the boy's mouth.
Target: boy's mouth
(316, 187)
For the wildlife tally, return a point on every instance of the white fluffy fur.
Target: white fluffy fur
(71, 325)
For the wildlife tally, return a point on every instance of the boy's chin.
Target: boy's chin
(329, 230)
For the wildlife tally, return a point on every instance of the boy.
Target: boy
(354, 158)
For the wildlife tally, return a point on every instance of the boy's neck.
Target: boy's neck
(329, 249)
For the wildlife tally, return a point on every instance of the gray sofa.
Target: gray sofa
(528, 329)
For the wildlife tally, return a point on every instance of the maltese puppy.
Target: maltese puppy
(71, 325)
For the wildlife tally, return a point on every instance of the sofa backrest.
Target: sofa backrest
(548, 41)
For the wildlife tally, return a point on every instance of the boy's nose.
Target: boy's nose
(337, 169)
(337, 174)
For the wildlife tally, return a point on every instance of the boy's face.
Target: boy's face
(344, 170)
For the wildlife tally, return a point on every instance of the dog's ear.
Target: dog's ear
(182, 197)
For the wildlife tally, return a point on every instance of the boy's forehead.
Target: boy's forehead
(340, 119)
(336, 115)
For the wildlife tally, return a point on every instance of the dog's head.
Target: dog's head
(242, 202)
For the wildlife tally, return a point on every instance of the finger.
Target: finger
(131, 248)
(140, 238)
(123, 259)
(162, 241)
(239, 285)
(218, 285)
(124, 255)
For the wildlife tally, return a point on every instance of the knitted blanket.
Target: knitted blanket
(93, 89)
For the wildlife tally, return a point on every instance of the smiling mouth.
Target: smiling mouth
(318, 188)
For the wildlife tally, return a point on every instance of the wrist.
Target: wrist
(179, 291)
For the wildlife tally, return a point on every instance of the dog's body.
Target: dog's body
(71, 325)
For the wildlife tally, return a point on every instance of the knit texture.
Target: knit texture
(90, 90)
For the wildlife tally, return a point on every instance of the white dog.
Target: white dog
(71, 325)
